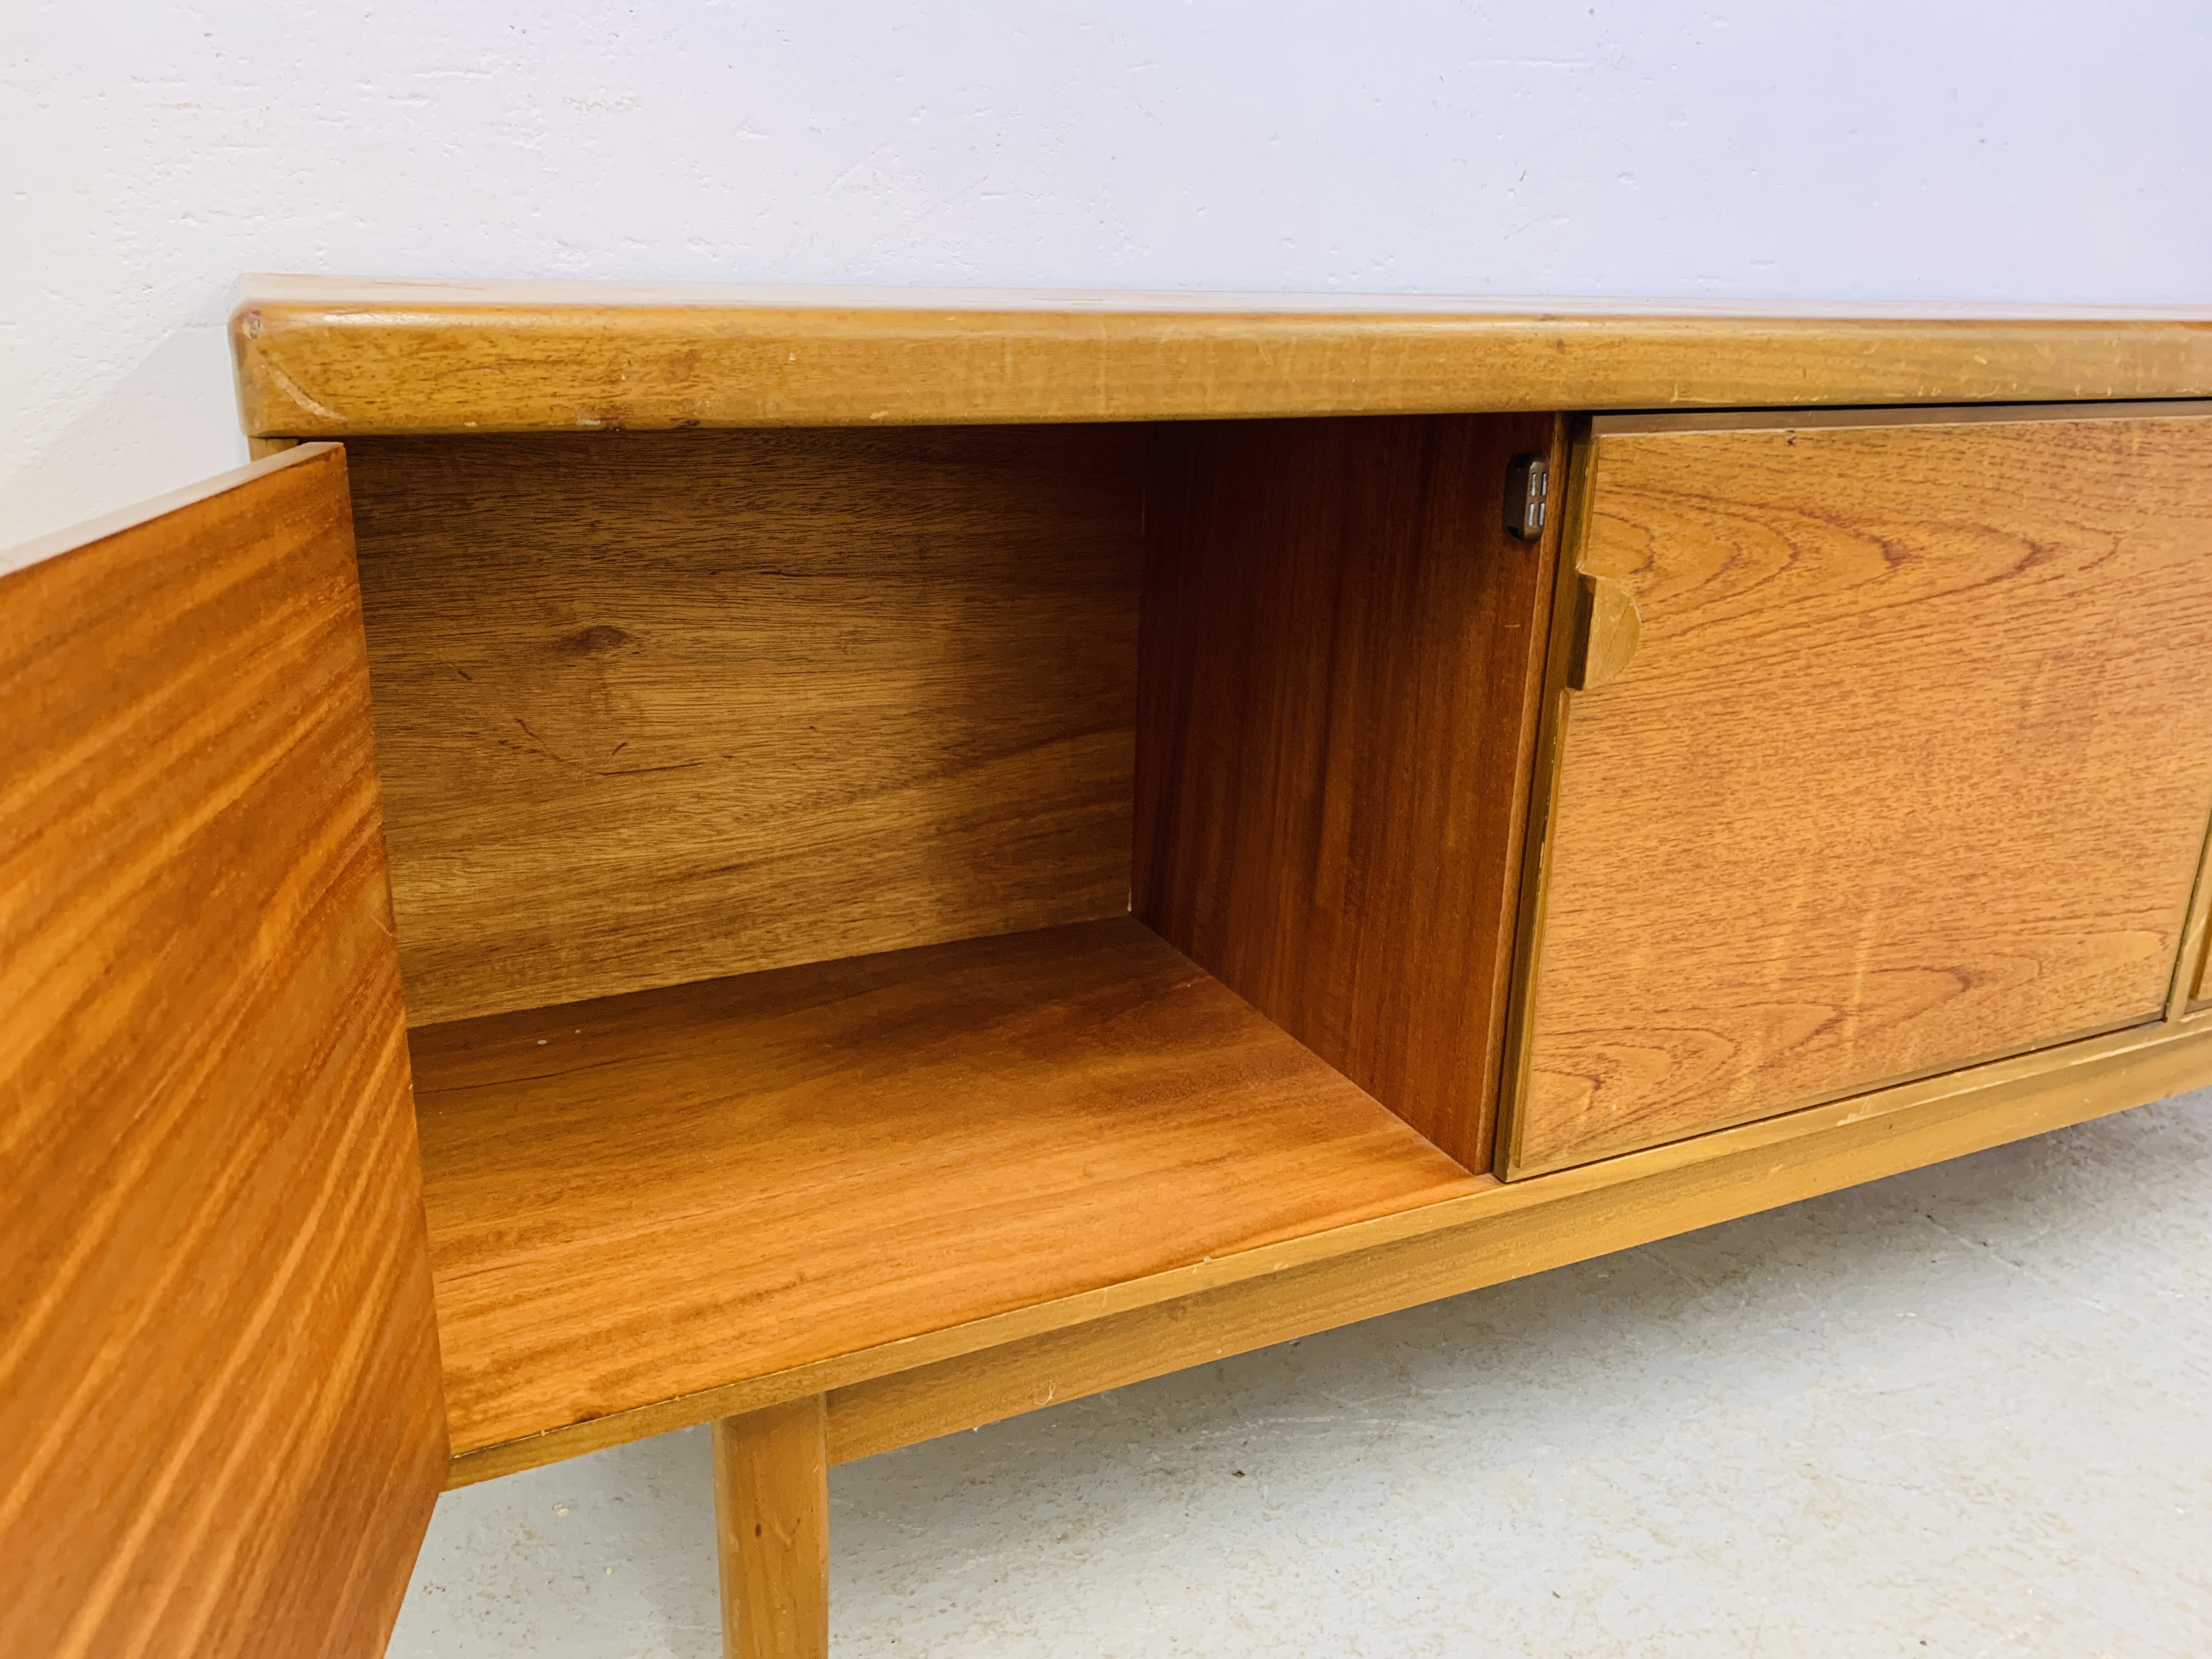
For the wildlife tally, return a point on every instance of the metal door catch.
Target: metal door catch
(1526, 482)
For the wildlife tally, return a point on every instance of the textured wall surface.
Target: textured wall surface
(151, 152)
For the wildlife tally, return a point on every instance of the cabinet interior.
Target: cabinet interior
(852, 881)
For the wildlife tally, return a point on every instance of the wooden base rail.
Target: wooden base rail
(921, 1386)
(1529, 1227)
(771, 1464)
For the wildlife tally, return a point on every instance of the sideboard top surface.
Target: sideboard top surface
(340, 357)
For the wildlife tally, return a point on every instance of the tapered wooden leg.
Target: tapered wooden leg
(772, 1523)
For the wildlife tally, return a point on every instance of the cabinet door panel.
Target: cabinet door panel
(1907, 770)
(219, 1376)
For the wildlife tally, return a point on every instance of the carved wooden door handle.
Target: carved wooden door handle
(1606, 632)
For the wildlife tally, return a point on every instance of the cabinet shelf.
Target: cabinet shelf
(646, 1196)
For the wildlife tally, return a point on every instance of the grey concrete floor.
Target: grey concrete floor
(1966, 1411)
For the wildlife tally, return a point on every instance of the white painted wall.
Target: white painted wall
(151, 152)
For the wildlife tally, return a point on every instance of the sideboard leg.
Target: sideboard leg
(772, 1530)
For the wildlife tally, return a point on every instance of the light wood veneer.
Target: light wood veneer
(958, 1376)
(221, 1431)
(1499, 1232)
(1342, 659)
(660, 708)
(349, 356)
(1906, 771)
(652, 1196)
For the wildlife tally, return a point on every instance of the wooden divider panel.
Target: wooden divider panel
(1342, 654)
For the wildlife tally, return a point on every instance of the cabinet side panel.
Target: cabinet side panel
(1341, 659)
(221, 1424)
(654, 709)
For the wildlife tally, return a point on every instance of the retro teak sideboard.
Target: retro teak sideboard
(845, 865)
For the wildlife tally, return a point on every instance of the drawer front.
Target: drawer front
(1907, 767)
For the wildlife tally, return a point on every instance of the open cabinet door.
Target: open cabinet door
(220, 1425)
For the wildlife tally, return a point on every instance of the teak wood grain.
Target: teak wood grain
(349, 356)
(221, 1431)
(650, 1196)
(1905, 772)
(2189, 979)
(665, 707)
(1342, 657)
(772, 1531)
(910, 1388)
(1512, 1231)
